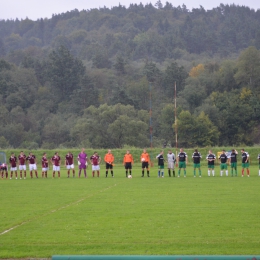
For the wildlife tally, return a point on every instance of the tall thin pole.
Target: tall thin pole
(151, 125)
(176, 125)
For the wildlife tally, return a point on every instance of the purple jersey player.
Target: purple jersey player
(82, 161)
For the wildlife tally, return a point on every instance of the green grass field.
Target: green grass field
(138, 216)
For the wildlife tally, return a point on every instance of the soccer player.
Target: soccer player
(160, 164)
(259, 164)
(109, 160)
(245, 162)
(182, 159)
(4, 170)
(82, 162)
(145, 160)
(223, 163)
(233, 162)
(45, 166)
(31, 158)
(22, 164)
(211, 163)
(95, 160)
(55, 160)
(171, 159)
(13, 161)
(127, 162)
(69, 163)
(196, 162)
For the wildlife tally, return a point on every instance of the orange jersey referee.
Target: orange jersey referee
(128, 161)
(145, 160)
(109, 159)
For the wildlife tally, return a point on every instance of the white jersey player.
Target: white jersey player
(171, 161)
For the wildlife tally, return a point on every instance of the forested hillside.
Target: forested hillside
(88, 78)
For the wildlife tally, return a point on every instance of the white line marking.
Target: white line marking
(10, 229)
(54, 210)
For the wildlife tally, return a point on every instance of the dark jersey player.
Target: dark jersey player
(211, 163)
(196, 156)
(160, 164)
(223, 163)
(245, 162)
(233, 162)
(182, 161)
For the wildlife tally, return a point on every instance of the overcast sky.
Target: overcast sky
(34, 9)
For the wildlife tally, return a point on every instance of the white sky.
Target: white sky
(34, 9)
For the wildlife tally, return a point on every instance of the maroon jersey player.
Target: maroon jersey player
(31, 158)
(13, 161)
(95, 161)
(22, 164)
(69, 163)
(4, 170)
(45, 166)
(56, 164)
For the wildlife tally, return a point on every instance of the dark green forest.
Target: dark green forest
(88, 78)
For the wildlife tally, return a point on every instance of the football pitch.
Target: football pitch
(138, 216)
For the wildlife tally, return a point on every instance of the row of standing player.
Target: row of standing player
(95, 160)
(55, 160)
(225, 159)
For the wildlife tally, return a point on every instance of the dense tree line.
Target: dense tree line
(90, 77)
(58, 101)
(139, 31)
